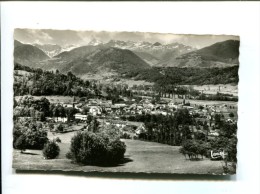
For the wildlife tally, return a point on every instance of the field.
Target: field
(213, 89)
(52, 99)
(209, 102)
(140, 156)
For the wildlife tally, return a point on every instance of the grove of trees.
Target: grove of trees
(29, 135)
(96, 149)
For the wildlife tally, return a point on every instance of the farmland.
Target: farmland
(52, 99)
(213, 89)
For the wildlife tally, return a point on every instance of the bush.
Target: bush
(51, 126)
(125, 136)
(194, 148)
(21, 143)
(58, 140)
(35, 138)
(60, 128)
(96, 149)
(51, 150)
(69, 155)
(231, 115)
(116, 151)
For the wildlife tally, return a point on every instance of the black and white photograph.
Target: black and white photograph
(130, 97)
(122, 101)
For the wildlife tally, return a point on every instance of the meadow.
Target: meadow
(140, 156)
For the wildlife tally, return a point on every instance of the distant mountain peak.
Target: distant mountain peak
(28, 55)
(220, 54)
(95, 42)
(157, 44)
(17, 43)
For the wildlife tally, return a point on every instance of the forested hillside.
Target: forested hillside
(193, 76)
(38, 82)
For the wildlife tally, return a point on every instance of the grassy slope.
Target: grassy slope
(140, 157)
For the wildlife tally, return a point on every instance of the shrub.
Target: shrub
(35, 138)
(116, 151)
(231, 115)
(194, 148)
(16, 133)
(21, 143)
(125, 136)
(58, 140)
(51, 126)
(51, 150)
(69, 155)
(96, 148)
(60, 128)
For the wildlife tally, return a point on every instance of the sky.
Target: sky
(70, 37)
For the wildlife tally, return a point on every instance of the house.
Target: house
(78, 106)
(140, 129)
(68, 105)
(188, 107)
(116, 123)
(61, 119)
(92, 101)
(148, 105)
(81, 117)
(95, 110)
(229, 121)
(213, 135)
(173, 105)
(120, 105)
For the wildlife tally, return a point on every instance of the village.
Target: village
(130, 117)
(122, 115)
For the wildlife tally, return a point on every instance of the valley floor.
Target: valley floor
(140, 156)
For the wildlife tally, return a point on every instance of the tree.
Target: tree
(15, 103)
(51, 126)
(232, 150)
(96, 149)
(70, 113)
(55, 112)
(231, 115)
(51, 150)
(186, 133)
(30, 135)
(183, 152)
(89, 119)
(218, 120)
(62, 112)
(194, 148)
(60, 128)
(42, 105)
(228, 130)
(94, 125)
(200, 136)
(21, 143)
(35, 137)
(181, 117)
(85, 110)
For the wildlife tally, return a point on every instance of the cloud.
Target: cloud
(71, 37)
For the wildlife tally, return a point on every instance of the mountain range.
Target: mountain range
(27, 54)
(119, 57)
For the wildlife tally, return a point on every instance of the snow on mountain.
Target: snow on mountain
(95, 42)
(152, 53)
(53, 49)
(68, 48)
(155, 54)
(143, 46)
